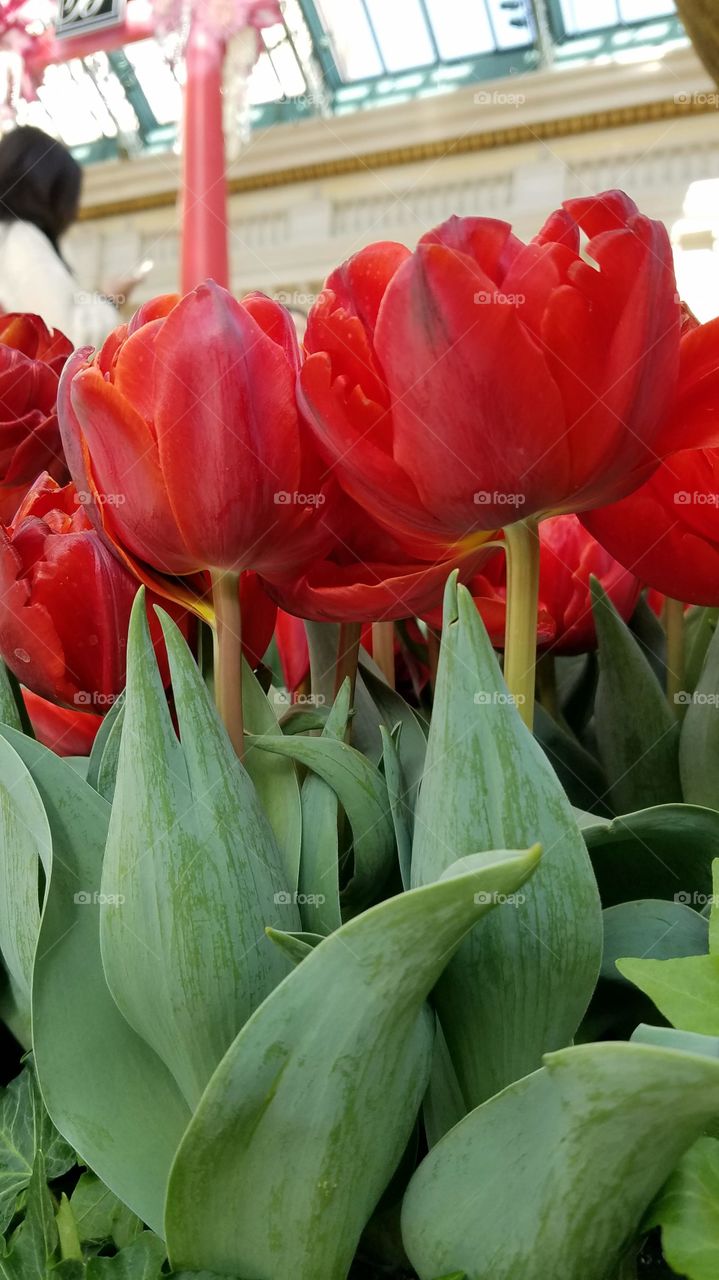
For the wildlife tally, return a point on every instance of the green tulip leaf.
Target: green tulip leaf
(577, 770)
(687, 1210)
(310, 1111)
(651, 929)
(295, 945)
(101, 743)
(361, 790)
(107, 772)
(275, 778)
(699, 741)
(104, 1088)
(664, 852)
(637, 732)
(12, 708)
(299, 719)
(648, 631)
(444, 1105)
(552, 1176)
(399, 794)
(699, 627)
(521, 984)
(393, 710)
(323, 644)
(191, 874)
(319, 886)
(25, 848)
(714, 911)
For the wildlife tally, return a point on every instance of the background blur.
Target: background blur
(375, 119)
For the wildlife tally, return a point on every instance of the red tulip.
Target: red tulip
(259, 614)
(31, 359)
(291, 639)
(65, 602)
(568, 558)
(479, 381)
(368, 575)
(185, 432)
(64, 730)
(667, 531)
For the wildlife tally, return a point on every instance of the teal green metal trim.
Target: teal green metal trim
(391, 88)
(124, 70)
(322, 45)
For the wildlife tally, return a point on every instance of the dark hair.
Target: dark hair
(39, 182)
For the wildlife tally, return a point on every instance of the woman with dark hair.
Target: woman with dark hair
(39, 199)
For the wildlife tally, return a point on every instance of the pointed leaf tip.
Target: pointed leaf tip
(450, 612)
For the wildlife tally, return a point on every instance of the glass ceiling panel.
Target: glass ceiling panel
(459, 28)
(371, 37)
(288, 71)
(401, 33)
(75, 105)
(592, 15)
(156, 79)
(511, 22)
(350, 35)
(641, 10)
(326, 56)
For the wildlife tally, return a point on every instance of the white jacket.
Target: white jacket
(33, 278)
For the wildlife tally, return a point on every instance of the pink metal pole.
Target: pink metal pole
(204, 184)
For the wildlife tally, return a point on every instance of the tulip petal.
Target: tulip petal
(359, 284)
(694, 421)
(487, 242)
(343, 337)
(133, 368)
(667, 532)
(229, 438)
(155, 309)
(89, 595)
(370, 591)
(64, 731)
(29, 643)
(346, 428)
(612, 343)
(462, 426)
(276, 321)
(127, 475)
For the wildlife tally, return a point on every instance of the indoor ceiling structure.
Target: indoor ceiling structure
(337, 56)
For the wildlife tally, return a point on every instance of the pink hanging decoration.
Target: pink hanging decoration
(221, 19)
(23, 29)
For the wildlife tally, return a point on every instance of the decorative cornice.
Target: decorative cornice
(436, 149)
